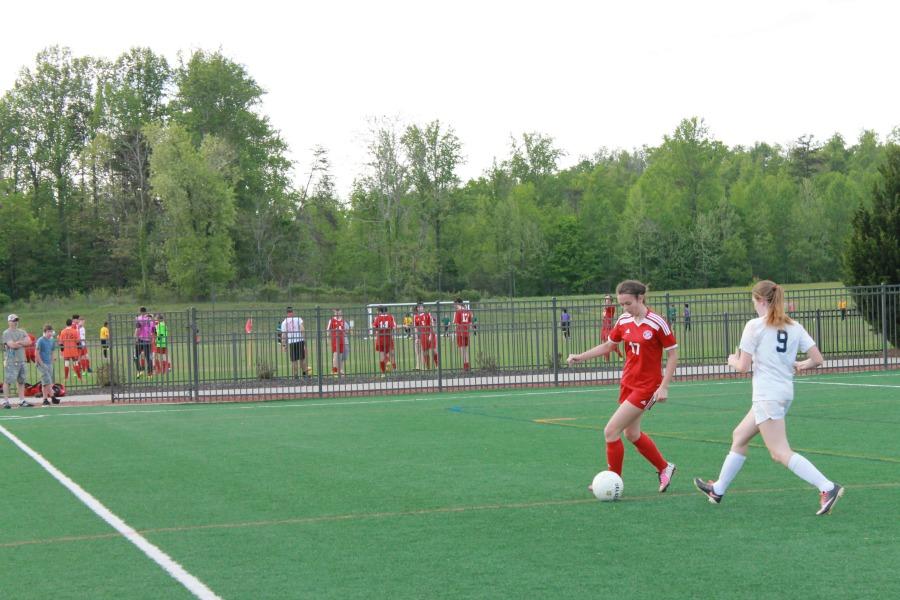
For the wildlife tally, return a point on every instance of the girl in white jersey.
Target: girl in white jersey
(770, 343)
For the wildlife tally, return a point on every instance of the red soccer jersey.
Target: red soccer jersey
(384, 325)
(336, 326)
(644, 345)
(462, 319)
(423, 322)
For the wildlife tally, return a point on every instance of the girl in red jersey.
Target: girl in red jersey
(609, 314)
(646, 335)
(337, 327)
(383, 328)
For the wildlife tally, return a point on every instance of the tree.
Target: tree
(433, 157)
(195, 188)
(872, 256)
(216, 96)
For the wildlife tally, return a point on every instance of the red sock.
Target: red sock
(77, 371)
(334, 369)
(649, 451)
(87, 363)
(382, 366)
(67, 373)
(427, 361)
(435, 359)
(466, 366)
(615, 454)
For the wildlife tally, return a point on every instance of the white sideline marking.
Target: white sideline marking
(875, 385)
(194, 585)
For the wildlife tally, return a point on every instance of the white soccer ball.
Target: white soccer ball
(607, 486)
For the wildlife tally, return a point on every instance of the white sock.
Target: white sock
(807, 471)
(730, 468)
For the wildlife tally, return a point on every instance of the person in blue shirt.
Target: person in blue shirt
(43, 358)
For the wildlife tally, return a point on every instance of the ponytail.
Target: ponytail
(773, 294)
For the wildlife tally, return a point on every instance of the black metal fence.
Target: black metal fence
(222, 355)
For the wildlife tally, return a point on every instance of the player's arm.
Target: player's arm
(740, 361)
(814, 358)
(601, 350)
(662, 392)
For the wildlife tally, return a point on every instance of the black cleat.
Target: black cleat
(707, 488)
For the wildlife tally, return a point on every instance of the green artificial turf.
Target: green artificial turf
(469, 495)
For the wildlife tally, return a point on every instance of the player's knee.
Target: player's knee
(781, 455)
(632, 436)
(611, 433)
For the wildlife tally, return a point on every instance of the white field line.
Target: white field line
(874, 385)
(176, 571)
(139, 410)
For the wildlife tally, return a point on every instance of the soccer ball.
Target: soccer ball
(607, 486)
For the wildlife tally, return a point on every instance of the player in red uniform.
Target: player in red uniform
(338, 328)
(427, 347)
(463, 321)
(383, 326)
(646, 335)
(609, 314)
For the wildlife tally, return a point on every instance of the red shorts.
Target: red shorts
(639, 397)
(384, 344)
(337, 345)
(462, 339)
(427, 341)
(158, 350)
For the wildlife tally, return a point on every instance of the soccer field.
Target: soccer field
(469, 495)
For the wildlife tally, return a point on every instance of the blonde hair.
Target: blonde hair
(772, 293)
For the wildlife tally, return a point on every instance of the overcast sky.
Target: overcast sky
(590, 74)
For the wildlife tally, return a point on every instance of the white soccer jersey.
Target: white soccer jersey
(291, 329)
(774, 352)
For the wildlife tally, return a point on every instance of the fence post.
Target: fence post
(884, 325)
(111, 362)
(234, 356)
(727, 335)
(438, 326)
(194, 341)
(819, 329)
(555, 345)
(319, 366)
(668, 311)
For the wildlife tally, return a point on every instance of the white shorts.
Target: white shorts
(763, 410)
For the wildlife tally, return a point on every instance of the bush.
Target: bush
(264, 370)
(486, 362)
(103, 375)
(4, 299)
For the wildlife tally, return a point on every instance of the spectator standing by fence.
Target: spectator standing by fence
(43, 358)
(161, 347)
(464, 321)
(337, 327)
(104, 339)
(426, 347)
(292, 341)
(686, 316)
(609, 314)
(15, 341)
(68, 342)
(143, 334)
(383, 329)
(565, 323)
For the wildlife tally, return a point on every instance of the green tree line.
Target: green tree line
(136, 173)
